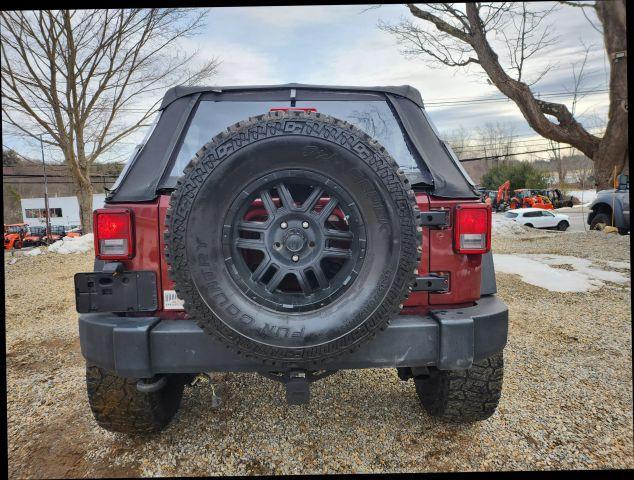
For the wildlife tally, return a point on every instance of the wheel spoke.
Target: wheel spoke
(331, 234)
(312, 199)
(261, 269)
(286, 197)
(253, 226)
(330, 252)
(303, 281)
(276, 279)
(328, 208)
(268, 202)
(320, 275)
(250, 244)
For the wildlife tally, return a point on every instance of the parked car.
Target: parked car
(612, 207)
(279, 230)
(539, 218)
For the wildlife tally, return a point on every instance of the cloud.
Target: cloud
(297, 17)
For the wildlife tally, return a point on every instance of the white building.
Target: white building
(63, 210)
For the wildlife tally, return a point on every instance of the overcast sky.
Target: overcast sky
(342, 45)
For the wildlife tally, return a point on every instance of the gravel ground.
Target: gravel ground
(566, 403)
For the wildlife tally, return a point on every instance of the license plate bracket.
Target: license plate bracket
(117, 293)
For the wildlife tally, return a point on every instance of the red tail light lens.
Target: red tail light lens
(114, 234)
(472, 228)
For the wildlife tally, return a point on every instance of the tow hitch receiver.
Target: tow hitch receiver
(297, 383)
(297, 388)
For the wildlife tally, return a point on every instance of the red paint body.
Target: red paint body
(438, 256)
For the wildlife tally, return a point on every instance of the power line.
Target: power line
(511, 154)
(493, 146)
(466, 100)
(20, 175)
(50, 183)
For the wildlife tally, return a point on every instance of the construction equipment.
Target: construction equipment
(14, 235)
(74, 232)
(501, 202)
(34, 236)
(556, 197)
(57, 232)
(527, 198)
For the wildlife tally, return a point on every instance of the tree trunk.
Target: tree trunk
(84, 198)
(613, 149)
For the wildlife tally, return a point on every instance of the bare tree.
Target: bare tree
(558, 161)
(457, 37)
(496, 141)
(87, 79)
(460, 140)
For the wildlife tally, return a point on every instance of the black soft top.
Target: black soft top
(147, 172)
(180, 91)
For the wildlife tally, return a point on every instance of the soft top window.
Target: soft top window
(374, 117)
(209, 120)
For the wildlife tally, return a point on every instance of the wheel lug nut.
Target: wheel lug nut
(283, 225)
(295, 258)
(305, 224)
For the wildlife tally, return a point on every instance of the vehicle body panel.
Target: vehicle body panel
(612, 201)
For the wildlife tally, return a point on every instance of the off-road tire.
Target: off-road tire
(463, 396)
(271, 140)
(118, 406)
(563, 226)
(600, 219)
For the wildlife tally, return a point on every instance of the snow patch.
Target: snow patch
(34, 252)
(586, 197)
(504, 226)
(536, 269)
(72, 244)
(621, 265)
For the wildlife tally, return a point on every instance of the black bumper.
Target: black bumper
(145, 346)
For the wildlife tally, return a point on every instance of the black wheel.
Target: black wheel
(529, 225)
(293, 238)
(118, 406)
(563, 226)
(623, 231)
(600, 221)
(463, 396)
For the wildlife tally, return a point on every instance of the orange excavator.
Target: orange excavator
(502, 198)
(499, 200)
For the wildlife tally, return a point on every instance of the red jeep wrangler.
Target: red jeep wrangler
(291, 230)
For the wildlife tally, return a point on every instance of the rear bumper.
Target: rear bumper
(145, 346)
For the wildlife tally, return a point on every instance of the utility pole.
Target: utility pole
(48, 220)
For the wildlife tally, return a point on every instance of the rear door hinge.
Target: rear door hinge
(434, 218)
(431, 283)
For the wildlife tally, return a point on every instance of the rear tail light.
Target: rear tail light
(114, 234)
(472, 228)
(293, 109)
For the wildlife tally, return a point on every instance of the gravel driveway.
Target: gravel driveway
(566, 403)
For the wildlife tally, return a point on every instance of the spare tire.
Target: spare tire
(293, 238)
